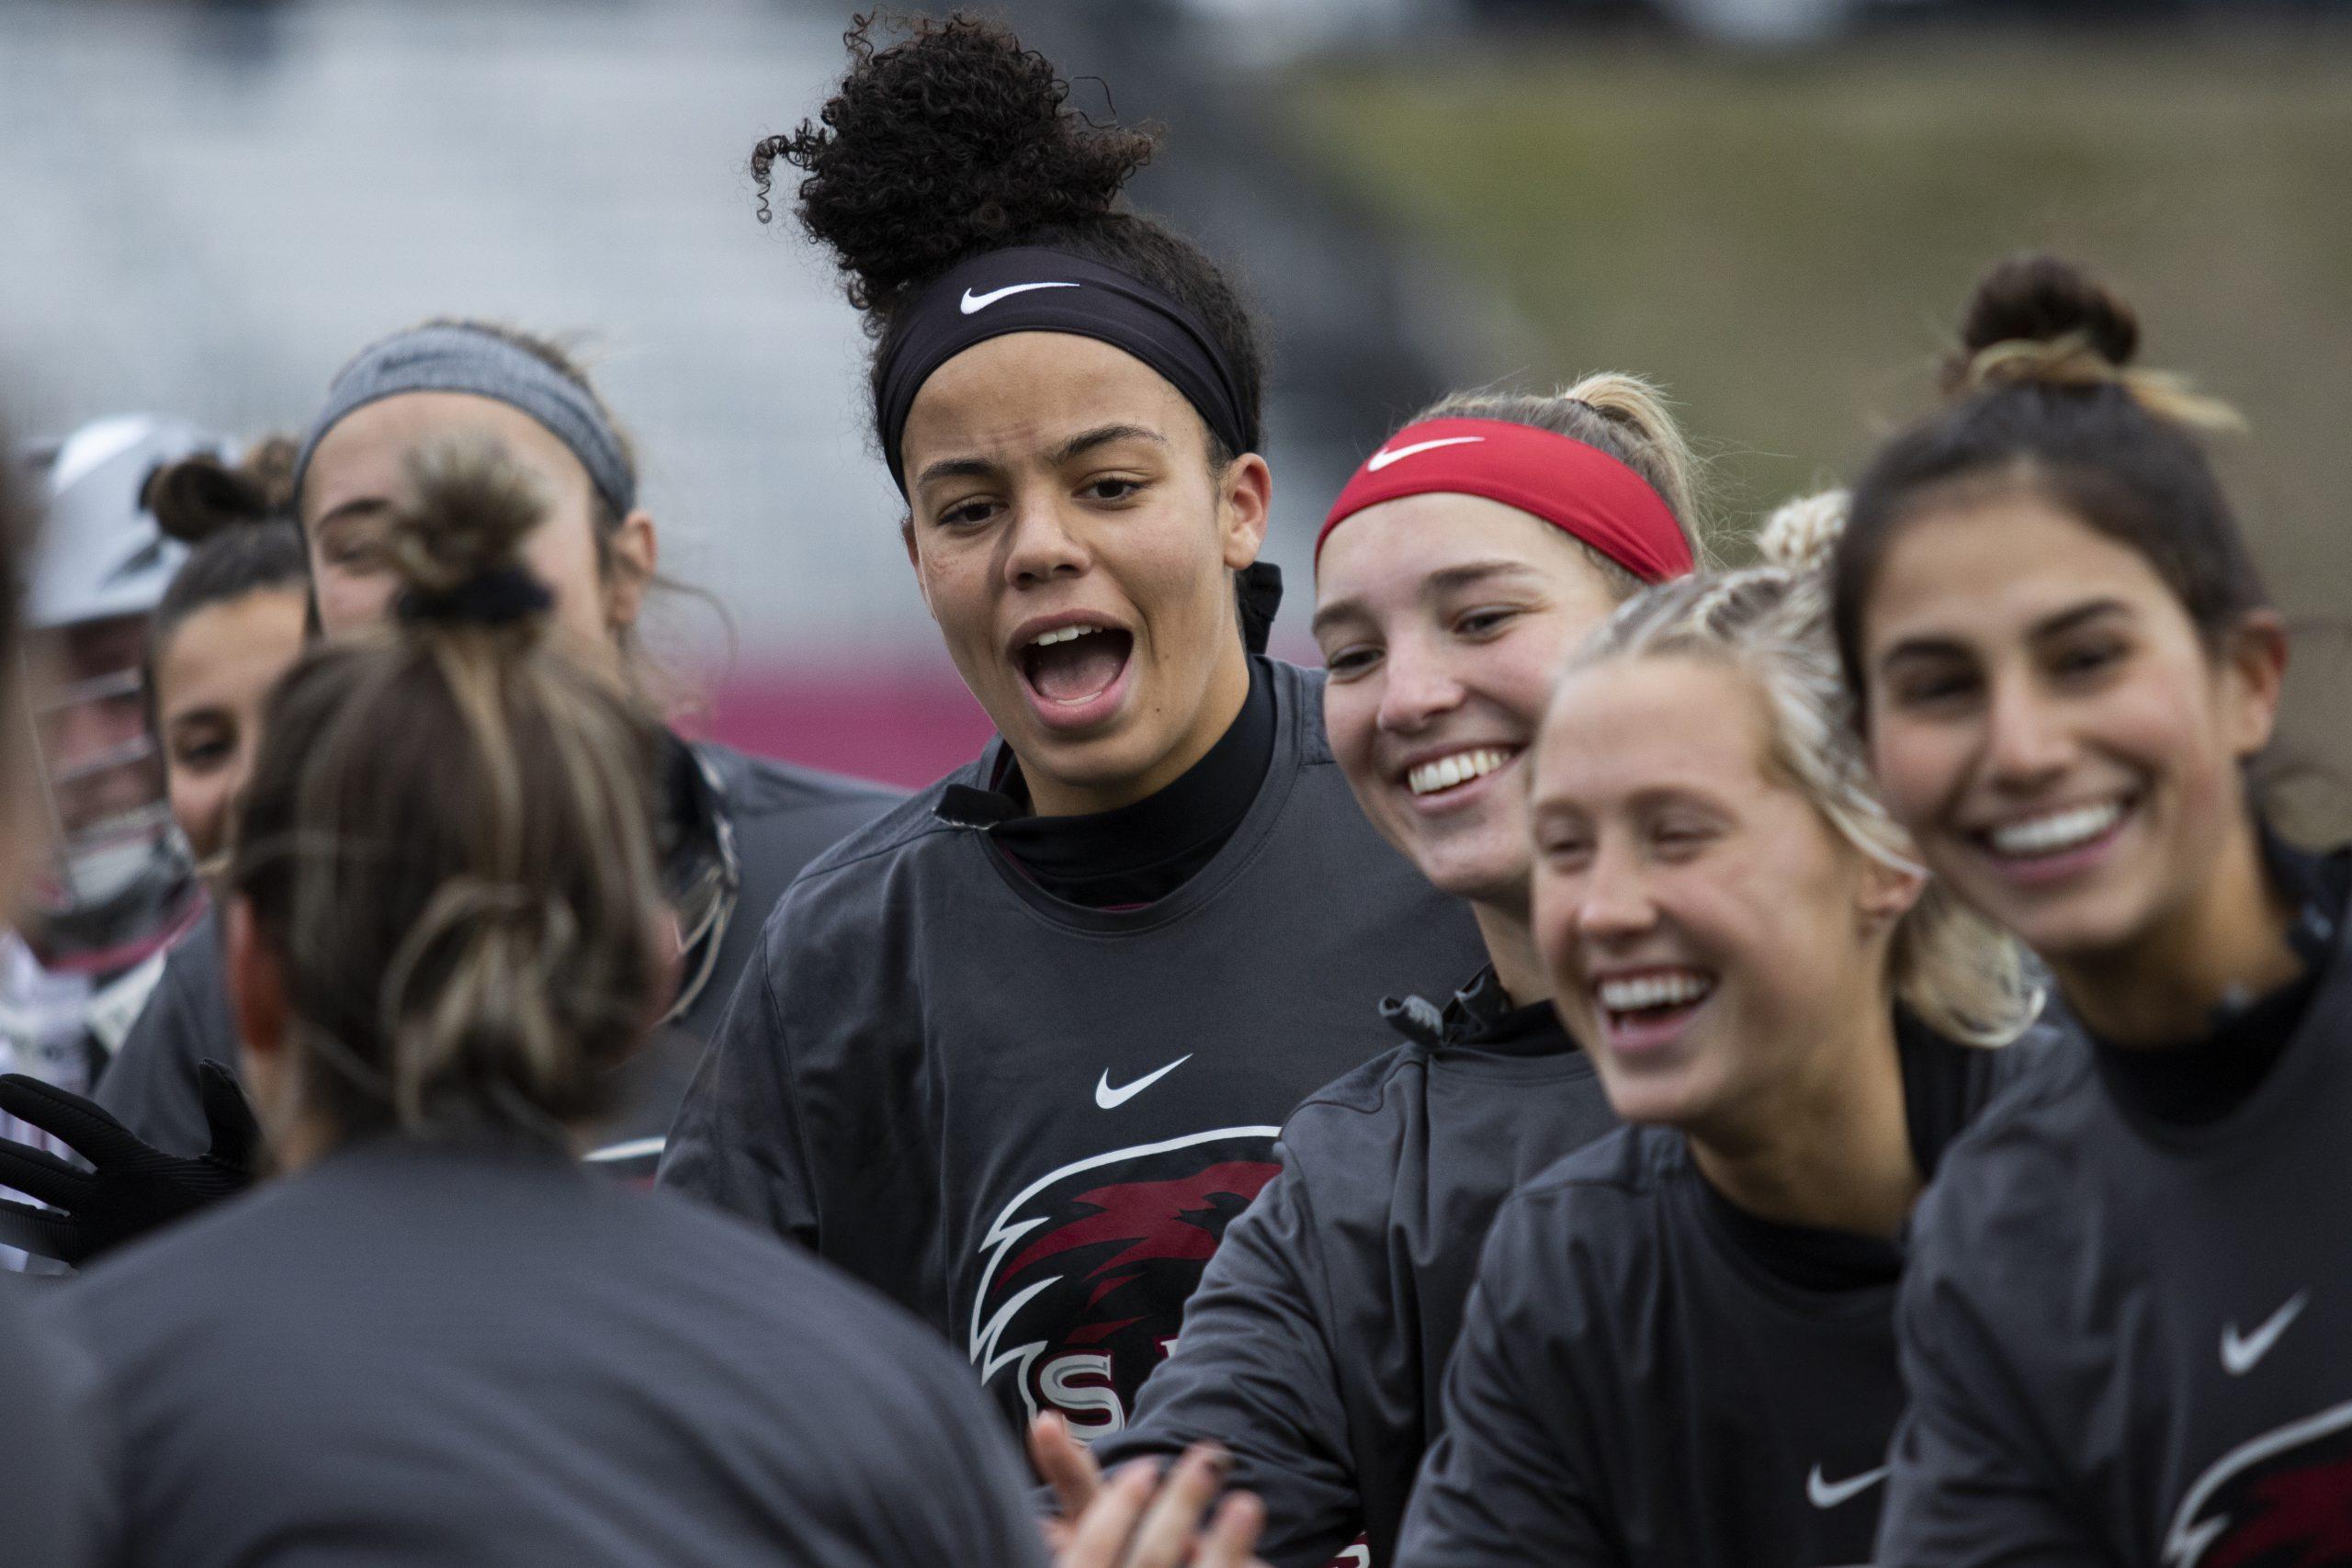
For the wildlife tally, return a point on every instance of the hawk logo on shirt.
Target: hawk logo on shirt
(2282, 1500)
(1087, 1270)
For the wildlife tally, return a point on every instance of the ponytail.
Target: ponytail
(411, 843)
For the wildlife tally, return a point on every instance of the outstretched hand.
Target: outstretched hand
(131, 1186)
(1139, 1518)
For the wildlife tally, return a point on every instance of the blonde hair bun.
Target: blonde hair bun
(1799, 534)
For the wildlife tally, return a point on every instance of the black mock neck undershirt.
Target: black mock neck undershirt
(2199, 1082)
(1138, 854)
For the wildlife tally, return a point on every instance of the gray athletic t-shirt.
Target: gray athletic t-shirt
(478, 1357)
(1028, 1120)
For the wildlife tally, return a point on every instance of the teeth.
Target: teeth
(1448, 771)
(2057, 830)
(1646, 991)
(1066, 634)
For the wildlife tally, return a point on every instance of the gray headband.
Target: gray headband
(467, 359)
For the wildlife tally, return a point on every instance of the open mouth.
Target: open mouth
(2055, 839)
(1072, 666)
(1440, 775)
(1651, 1006)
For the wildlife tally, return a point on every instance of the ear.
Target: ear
(635, 554)
(257, 993)
(914, 559)
(2255, 673)
(1888, 893)
(1244, 508)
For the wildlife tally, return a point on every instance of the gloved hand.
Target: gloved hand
(131, 1186)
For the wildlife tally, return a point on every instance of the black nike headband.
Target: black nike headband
(1033, 290)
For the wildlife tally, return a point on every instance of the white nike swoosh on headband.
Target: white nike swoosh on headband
(975, 303)
(1385, 456)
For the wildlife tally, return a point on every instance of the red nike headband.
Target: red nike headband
(1577, 489)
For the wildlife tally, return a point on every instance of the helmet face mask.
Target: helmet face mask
(100, 770)
(118, 869)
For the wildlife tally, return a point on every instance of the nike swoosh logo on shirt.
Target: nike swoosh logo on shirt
(1111, 1099)
(2239, 1355)
(1823, 1494)
(1386, 455)
(973, 304)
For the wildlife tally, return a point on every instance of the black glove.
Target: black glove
(131, 1186)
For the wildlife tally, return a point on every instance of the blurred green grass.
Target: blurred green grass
(1786, 244)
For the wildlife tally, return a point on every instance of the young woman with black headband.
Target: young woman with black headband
(1016, 1052)
(737, 829)
(435, 1338)
(2126, 1325)
(1464, 561)
(1681, 1350)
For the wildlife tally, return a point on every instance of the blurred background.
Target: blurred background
(1774, 207)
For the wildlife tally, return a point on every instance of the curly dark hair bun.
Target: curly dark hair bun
(2038, 297)
(952, 142)
(200, 496)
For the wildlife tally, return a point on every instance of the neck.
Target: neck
(1510, 948)
(1832, 1149)
(1228, 688)
(2162, 987)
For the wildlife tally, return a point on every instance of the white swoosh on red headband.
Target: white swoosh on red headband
(1383, 458)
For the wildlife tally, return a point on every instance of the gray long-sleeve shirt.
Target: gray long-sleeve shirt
(1649, 1377)
(1031, 1122)
(2128, 1338)
(1315, 1348)
(420, 1353)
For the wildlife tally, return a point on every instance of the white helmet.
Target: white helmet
(102, 556)
(101, 553)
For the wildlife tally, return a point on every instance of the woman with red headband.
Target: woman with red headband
(1459, 567)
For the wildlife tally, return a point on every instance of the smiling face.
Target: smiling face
(1707, 931)
(1077, 552)
(211, 679)
(2045, 719)
(358, 477)
(1444, 619)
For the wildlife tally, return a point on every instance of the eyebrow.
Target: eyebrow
(1448, 580)
(358, 506)
(1076, 446)
(2059, 624)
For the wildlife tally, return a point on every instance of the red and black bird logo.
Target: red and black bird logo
(2282, 1500)
(1089, 1267)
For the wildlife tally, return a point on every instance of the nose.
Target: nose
(1615, 902)
(2025, 745)
(1041, 545)
(1416, 687)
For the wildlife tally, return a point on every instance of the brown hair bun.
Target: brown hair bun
(2038, 297)
(201, 496)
